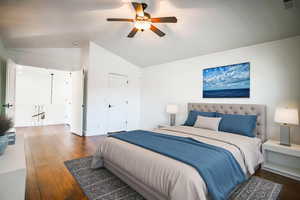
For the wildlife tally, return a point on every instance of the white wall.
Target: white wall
(275, 72)
(101, 63)
(67, 59)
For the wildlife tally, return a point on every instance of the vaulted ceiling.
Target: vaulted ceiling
(204, 26)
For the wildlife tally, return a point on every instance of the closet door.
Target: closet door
(117, 103)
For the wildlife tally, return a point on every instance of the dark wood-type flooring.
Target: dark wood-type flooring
(47, 178)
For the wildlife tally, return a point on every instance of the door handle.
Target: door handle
(7, 105)
(109, 105)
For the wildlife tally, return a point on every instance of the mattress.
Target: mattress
(170, 178)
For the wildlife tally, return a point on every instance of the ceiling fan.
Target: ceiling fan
(144, 21)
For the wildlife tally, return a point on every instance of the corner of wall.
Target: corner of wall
(101, 63)
(3, 51)
(95, 45)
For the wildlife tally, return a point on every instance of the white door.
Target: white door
(10, 89)
(77, 103)
(117, 103)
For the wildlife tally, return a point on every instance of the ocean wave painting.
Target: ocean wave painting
(231, 81)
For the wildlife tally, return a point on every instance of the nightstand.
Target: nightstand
(283, 160)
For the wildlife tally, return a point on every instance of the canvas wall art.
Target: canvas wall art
(231, 81)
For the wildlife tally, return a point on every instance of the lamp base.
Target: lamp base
(172, 119)
(285, 135)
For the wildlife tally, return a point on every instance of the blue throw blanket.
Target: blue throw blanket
(216, 165)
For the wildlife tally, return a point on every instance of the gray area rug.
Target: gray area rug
(101, 184)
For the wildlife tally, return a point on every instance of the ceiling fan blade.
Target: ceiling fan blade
(157, 31)
(164, 20)
(119, 20)
(133, 32)
(138, 8)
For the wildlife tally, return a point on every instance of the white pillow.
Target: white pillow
(211, 123)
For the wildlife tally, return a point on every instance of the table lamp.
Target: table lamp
(286, 117)
(172, 110)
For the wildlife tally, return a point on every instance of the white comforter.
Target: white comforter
(174, 179)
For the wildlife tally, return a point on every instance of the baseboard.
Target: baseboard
(93, 133)
(30, 125)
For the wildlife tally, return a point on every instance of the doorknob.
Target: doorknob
(7, 105)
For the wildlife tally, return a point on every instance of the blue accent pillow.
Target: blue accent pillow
(192, 117)
(238, 124)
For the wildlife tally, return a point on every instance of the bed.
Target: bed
(158, 177)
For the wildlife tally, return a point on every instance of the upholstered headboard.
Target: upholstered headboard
(241, 109)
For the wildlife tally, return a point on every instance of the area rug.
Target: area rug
(101, 184)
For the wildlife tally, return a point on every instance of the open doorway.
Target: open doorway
(42, 97)
(48, 97)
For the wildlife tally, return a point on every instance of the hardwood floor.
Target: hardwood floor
(291, 188)
(47, 178)
(46, 150)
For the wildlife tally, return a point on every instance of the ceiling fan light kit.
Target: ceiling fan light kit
(143, 20)
(142, 24)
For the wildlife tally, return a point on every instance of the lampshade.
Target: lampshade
(287, 116)
(172, 109)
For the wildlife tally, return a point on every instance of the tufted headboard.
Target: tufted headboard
(241, 109)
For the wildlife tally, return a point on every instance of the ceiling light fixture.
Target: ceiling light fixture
(142, 24)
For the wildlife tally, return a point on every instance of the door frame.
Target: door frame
(10, 98)
(3, 89)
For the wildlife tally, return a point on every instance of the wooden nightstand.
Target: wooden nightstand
(283, 160)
